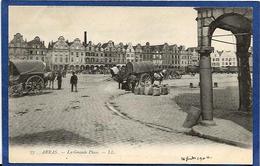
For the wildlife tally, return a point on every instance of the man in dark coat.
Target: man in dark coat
(59, 79)
(73, 82)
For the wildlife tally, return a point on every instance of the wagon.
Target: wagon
(173, 74)
(26, 77)
(141, 72)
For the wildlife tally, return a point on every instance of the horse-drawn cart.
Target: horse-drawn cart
(142, 73)
(26, 77)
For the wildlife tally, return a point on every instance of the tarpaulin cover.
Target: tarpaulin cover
(115, 70)
(20, 67)
(141, 67)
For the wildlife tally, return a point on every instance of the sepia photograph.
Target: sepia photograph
(130, 84)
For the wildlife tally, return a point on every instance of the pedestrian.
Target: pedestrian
(59, 79)
(74, 81)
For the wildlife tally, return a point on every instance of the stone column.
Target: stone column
(244, 76)
(206, 89)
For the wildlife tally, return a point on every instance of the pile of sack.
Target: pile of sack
(153, 90)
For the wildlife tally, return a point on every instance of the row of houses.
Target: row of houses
(62, 54)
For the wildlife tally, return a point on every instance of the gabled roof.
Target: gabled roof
(104, 45)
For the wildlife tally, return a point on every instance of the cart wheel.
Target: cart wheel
(145, 80)
(34, 84)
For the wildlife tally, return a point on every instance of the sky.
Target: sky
(157, 25)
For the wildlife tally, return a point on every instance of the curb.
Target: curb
(196, 132)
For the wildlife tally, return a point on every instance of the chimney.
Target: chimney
(85, 37)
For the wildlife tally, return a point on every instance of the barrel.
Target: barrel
(156, 91)
(148, 90)
(137, 91)
(142, 90)
(164, 90)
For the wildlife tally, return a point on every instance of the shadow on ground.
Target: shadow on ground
(53, 137)
(31, 94)
(225, 105)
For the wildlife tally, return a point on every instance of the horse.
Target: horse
(50, 77)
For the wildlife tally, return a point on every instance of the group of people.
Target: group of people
(57, 75)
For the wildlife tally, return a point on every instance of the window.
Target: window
(31, 52)
(56, 60)
(43, 59)
(31, 57)
(66, 59)
(77, 53)
(42, 52)
(71, 53)
(37, 58)
(81, 53)
(61, 59)
(71, 59)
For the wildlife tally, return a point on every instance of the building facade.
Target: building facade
(36, 50)
(77, 55)
(223, 59)
(17, 48)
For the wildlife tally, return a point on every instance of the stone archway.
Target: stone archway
(239, 22)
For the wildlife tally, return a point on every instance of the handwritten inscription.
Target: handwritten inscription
(198, 158)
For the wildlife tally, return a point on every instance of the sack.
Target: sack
(137, 91)
(164, 90)
(156, 91)
(142, 90)
(148, 90)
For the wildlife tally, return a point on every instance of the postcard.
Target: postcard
(119, 83)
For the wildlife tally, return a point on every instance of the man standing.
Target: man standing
(59, 79)
(73, 81)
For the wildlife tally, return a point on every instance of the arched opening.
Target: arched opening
(60, 67)
(55, 67)
(82, 67)
(239, 23)
(240, 27)
(72, 67)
